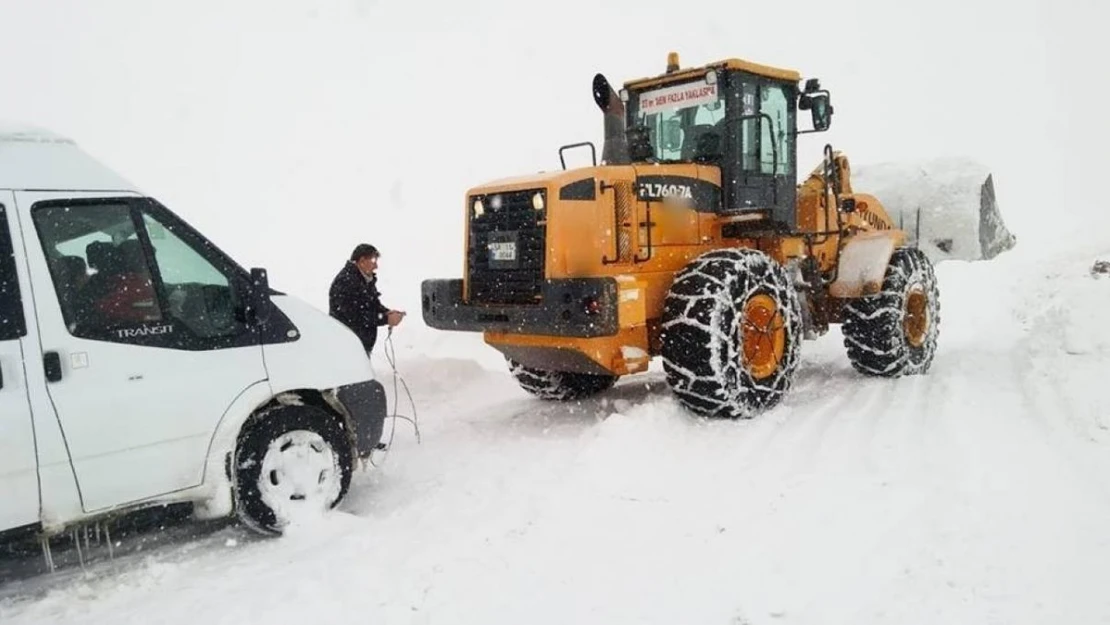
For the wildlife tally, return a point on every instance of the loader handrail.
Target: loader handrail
(593, 152)
(605, 260)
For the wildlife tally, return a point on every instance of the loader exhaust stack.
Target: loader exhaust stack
(615, 149)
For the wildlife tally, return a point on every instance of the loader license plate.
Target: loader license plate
(502, 251)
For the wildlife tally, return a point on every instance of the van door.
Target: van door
(19, 484)
(144, 346)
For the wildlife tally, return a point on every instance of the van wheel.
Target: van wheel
(732, 328)
(290, 461)
(559, 385)
(894, 332)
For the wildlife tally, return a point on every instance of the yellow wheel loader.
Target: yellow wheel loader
(693, 241)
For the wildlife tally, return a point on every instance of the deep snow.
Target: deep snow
(979, 493)
(287, 133)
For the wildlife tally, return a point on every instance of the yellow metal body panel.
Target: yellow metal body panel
(680, 75)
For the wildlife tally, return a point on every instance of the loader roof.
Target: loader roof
(776, 73)
(39, 159)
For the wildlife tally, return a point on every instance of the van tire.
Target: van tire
(291, 444)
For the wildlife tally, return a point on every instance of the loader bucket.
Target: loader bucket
(947, 207)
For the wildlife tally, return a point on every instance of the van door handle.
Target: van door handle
(52, 362)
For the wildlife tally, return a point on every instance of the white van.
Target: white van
(140, 365)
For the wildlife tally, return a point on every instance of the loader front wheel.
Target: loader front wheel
(559, 385)
(894, 332)
(732, 328)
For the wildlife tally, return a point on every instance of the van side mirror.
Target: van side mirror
(256, 304)
(260, 280)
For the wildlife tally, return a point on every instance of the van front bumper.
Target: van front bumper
(366, 405)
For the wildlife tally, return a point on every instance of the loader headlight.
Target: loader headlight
(479, 208)
(537, 201)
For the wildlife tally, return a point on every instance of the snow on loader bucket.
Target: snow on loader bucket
(947, 207)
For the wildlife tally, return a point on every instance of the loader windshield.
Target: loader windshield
(685, 121)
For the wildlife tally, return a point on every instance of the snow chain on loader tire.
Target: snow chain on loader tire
(894, 332)
(732, 329)
(559, 385)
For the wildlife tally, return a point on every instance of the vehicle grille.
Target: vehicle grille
(506, 282)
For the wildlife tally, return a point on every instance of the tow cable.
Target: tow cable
(391, 356)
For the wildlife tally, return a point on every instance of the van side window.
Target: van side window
(197, 293)
(12, 325)
(98, 266)
(125, 275)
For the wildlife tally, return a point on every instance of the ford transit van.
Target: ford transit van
(140, 365)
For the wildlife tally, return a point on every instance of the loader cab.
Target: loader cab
(735, 115)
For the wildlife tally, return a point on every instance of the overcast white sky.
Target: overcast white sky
(288, 131)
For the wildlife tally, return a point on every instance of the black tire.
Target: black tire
(254, 502)
(883, 334)
(559, 385)
(703, 334)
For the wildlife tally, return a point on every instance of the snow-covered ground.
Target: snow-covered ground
(979, 493)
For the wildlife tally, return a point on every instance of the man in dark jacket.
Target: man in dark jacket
(354, 299)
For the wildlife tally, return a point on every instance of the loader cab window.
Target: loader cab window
(765, 145)
(773, 140)
(758, 170)
(685, 122)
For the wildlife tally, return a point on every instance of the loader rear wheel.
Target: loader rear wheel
(894, 332)
(732, 329)
(559, 385)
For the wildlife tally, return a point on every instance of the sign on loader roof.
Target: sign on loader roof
(679, 96)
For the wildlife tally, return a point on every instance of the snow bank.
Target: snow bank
(959, 217)
(1069, 347)
(1086, 323)
(1068, 311)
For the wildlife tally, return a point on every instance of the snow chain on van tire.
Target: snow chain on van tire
(894, 332)
(731, 333)
(318, 436)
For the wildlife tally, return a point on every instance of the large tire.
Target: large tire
(559, 385)
(894, 332)
(290, 459)
(732, 329)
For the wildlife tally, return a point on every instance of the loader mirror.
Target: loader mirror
(821, 110)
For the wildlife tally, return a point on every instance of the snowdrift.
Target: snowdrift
(959, 216)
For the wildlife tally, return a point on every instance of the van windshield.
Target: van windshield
(685, 122)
